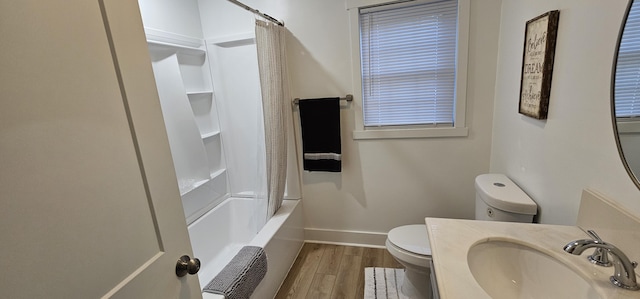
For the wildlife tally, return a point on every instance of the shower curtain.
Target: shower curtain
(270, 43)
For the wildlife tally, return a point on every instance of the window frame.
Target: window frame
(459, 128)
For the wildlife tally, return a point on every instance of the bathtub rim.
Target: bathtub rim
(265, 236)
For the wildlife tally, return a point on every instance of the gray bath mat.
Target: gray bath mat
(239, 278)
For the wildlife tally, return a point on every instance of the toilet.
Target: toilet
(497, 199)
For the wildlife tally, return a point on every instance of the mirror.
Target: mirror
(626, 92)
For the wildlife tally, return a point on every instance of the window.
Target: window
(412, 58)
(627, 77)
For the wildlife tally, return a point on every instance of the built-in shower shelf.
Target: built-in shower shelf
(163, 41)
(210, 135)
(217, 173)
(184, 189)
(215, 176)
(183, 70)
(205, 196)
(161, 46)
(199, 93)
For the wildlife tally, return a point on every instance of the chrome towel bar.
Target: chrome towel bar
(347, 98)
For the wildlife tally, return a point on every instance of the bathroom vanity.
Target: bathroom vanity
(482, 259)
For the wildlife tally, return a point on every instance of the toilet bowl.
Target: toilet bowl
(409, 245)
(497, 199)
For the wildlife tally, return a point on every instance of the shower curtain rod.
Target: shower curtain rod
(255, 11)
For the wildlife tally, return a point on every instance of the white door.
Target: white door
(89, 203)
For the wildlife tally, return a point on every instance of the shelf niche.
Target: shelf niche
(187, 99)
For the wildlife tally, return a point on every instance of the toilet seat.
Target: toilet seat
(412, 238)
(410, 243)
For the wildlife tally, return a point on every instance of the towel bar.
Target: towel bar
(347, 98)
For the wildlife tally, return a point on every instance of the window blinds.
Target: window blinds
(627, 80)
(408, 63)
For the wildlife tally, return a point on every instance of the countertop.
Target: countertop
(451, 239)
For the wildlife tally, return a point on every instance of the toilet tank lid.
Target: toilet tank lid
(500, 192)
(413, 238)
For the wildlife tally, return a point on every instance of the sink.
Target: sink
(506, 269)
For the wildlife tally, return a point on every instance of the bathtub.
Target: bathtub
(220, 233)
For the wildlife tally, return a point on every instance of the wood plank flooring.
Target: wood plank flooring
(332, 271)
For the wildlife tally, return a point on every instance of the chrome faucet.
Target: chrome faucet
(599, 256)
(624, 275)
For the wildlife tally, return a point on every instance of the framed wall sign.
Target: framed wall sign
(537, 64)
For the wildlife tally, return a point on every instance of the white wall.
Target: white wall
(574, 148)
(384, 183)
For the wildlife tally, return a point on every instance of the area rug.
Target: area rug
(383, 283)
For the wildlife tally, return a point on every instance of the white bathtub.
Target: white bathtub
(219, 234)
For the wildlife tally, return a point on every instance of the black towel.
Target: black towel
(320, 121)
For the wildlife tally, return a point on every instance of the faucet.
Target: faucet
(599, 256)
(624, 275)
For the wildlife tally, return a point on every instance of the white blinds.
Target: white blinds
(627, 81)
(408, 63)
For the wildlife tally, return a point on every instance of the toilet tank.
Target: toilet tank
(500, 199)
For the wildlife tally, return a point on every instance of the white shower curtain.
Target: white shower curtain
(270, 43)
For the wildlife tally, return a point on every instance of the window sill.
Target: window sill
(628, 127)
(410, 133)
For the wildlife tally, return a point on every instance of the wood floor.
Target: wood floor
(332, 271)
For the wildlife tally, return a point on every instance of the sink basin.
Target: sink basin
(510, 270)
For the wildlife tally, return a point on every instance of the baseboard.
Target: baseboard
(342, 237)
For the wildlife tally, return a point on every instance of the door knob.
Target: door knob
(187, 265)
